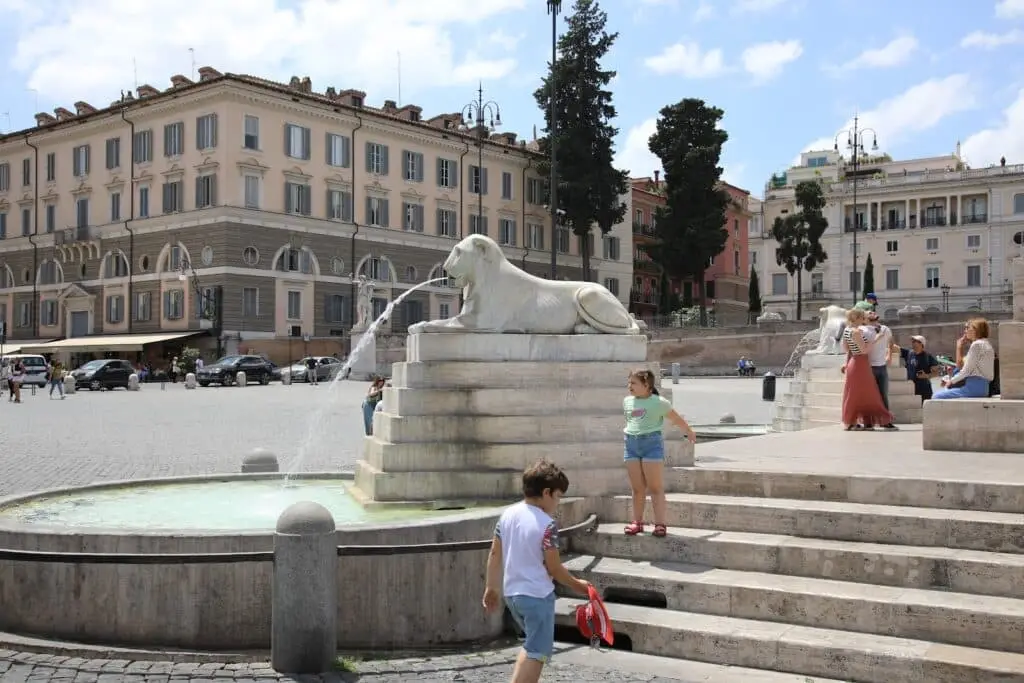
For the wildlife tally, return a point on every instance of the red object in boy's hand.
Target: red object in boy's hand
(593, 621)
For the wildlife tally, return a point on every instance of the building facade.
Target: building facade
(645, 293)
(941, 235)
(270, 199)
(727, 280)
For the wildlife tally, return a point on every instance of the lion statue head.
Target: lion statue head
(470, 258)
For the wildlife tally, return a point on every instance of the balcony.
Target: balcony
(639, 297)
(933, 176)
(974, 219)
(933, 222)
(81, 233)
(899, 224)
(643, 229)
(646, 265)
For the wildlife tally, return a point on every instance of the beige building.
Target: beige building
(263, 196)
(940, 235)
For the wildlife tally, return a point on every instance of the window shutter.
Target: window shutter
(75, 171)
(288, 207)
(454, 166)
(483, 180)
(199, 132)
(213, 130)
(328, 150)
(346, 207)
(440, 171)
(440, 221)
(369, 157)
(199, 192)
(513, 229)
(406, 225)
(88, 153)
(307, 200)
(346, 151)
(385, 210)
(419, 167)
(369, 211)
(329, 204)
(213, 190)
(306, 144)
(167, 305)
(287, 139)
(385, 152)
(483, 225)
(406, 159)
(327, 309)
(166, 197)
(167, 140)
(419, 217)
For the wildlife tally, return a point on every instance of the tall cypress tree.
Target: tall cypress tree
(754, 295)
(869, 277)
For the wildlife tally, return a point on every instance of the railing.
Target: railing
(933, 176)
(933, 222)
(586, 526)
(645, 264)
(643, 229)
(975, 218)
(900, 224)
(643, 297)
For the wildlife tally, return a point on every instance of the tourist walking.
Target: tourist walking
(57, 379)
(645, 411)
(524, 560)
(862, 402)
(977, 370)
(373, 396)
(879, 354)
(175, 370)
(17, 378)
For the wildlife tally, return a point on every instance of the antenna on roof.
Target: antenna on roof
(399, 78)
(192, 55)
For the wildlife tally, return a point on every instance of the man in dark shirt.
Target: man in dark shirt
(921, 366)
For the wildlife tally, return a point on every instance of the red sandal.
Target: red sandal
(633, 528)
(660, 531)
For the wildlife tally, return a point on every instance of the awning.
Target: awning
(12, 348)
(121, 342)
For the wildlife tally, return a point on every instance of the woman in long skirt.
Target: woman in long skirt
(863, 407)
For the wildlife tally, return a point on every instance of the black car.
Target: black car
(103, 374)
(225, 370)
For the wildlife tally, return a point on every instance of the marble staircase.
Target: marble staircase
(874, 580)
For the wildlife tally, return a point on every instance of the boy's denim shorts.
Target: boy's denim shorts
(645, 447)
(536, 617)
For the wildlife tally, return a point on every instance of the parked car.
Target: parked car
(109, 373)
(225, 370)
(326, 368)
(35, 367)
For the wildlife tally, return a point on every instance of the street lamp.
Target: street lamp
(554, 7)
(486, 116)
(945, 298)
(209, 308)
(855, 144)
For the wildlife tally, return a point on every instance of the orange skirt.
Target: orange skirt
(862, 402)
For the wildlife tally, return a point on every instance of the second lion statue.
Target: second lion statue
(501, 298)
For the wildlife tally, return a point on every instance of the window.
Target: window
(80, 161)
(412, 217)
(477, 180)
(113, 153)
(931, 277)
(379, 306)
(206, 191)
(535, 236)
(115, 309)
(339, 205)
(115, 207)
(26, 222)
(174, 304)
(25, 314)
(206, 132)
(1018, 203)
(377, 210)
(51, 217)
(48, 313)
(142, 306)
(335, 308)
(610, 248)
(447, 173)
(143, 202)
(817, 283)
(892, 278)
(506, 185)
(82, 212)
(376, 158)
(143, 147)
(250, 302)
(296, 141)
(376, 269)
(854, 277)
(612, 285)
(477, 225)
(412, 312)
(295, 260)
(892, 246)
(26, 172)
(446, 223)
(535, 191)
(175, 258)
(252, 192)
(251, 136)
(298, 199)
(931, 244)
(444, 311)
(974, 276)
(736, 228)
(780, 284)
(974, 241)
(412, 166)
(5, 177)
(736, 261)
(638, 217)
(174, 139)
(115, 265)
(507, 232)
(339, 150)
(174, 196)
(294, 305)
(562, 235)
(51, 167)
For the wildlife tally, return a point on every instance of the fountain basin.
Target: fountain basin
(167, 600)
(720, 432)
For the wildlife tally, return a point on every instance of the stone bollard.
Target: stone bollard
(69, 384)
(190, 380)
(133, 382)
(286, 378)
(304, 612)
(163, 385)
(675, 373)
(727, 419)
(240, 379)
(34, 389)
(259, 461)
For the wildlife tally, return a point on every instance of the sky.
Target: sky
(790, 75)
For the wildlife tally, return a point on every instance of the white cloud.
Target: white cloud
(687, 60)
(504, 40)
(705, 10)
(991, 41)
(752, 6)
(765, 61)
(1009, 9)
(917, 109)
(987, 146)
(635, 156)
(894, 53)
(269, 38)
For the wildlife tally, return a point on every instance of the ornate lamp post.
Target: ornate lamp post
(855, 144)
(486, 116)
(945, 297)
(554, 8)
(209, 300)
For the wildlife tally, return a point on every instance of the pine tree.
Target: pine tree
(869, 277)
(799, 236)
(754, 295)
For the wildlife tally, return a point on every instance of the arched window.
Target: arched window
(1018, 203)
(438, 272)
(50, 273)
(115, 264)
(376, 268)
(295, 260)
(174, 259)
(6, 276)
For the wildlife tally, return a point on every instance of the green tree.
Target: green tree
(590, 188)
(799, 236)
(869, 277)
(691, 226)
(754, 295)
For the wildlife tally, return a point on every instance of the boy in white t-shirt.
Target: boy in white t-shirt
(524, 558)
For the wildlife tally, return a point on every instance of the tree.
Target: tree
(799, 236)
(869, 277)
(590, 188)
(691, 226)
(754, 295)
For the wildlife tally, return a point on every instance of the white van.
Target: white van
(35, 367)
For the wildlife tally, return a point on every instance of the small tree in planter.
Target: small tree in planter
(187, 359)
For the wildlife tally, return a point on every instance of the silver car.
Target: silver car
(326, 368)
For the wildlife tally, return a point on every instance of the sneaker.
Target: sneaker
(890, 427)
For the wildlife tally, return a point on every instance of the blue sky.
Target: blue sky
(788, 73)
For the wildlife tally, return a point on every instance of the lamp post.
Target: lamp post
(554, 8)
(209, 301)
(485, 116)
(945, 297)
(855, 144)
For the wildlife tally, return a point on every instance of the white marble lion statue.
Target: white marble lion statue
(501, 298)
(832, 320)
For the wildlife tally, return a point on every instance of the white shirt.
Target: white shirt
(877, 353)
(526, 532)
(199, 363)
(980, 361)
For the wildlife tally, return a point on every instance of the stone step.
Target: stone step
(964, 529)
(507, 402)
(963, 571)
(843, 655)
(498, 348)
(897, 402)
(513, 375)
(809, 413)
(784, 424)
(828, 408)
(941, 616)
(897, 386)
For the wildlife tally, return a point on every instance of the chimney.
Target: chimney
(352, 97)
(331, 93)
(63, 114)
(83, 108)
(390, 106)
(411, 112)
(294, 83)
(179, 81)
(207, 73)
(42, 119)
(657, 177)
(146, 90)
(306, 84)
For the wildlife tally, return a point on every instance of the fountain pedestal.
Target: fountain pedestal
(466, 413)
(363, 365)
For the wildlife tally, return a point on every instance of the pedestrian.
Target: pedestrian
(56, 374)
(175, 370)
(311, 374)
(17, 378)
(879, 355)
(921, 366)
(5, 379)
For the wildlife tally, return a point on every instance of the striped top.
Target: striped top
(850, 343)
(980, 361)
